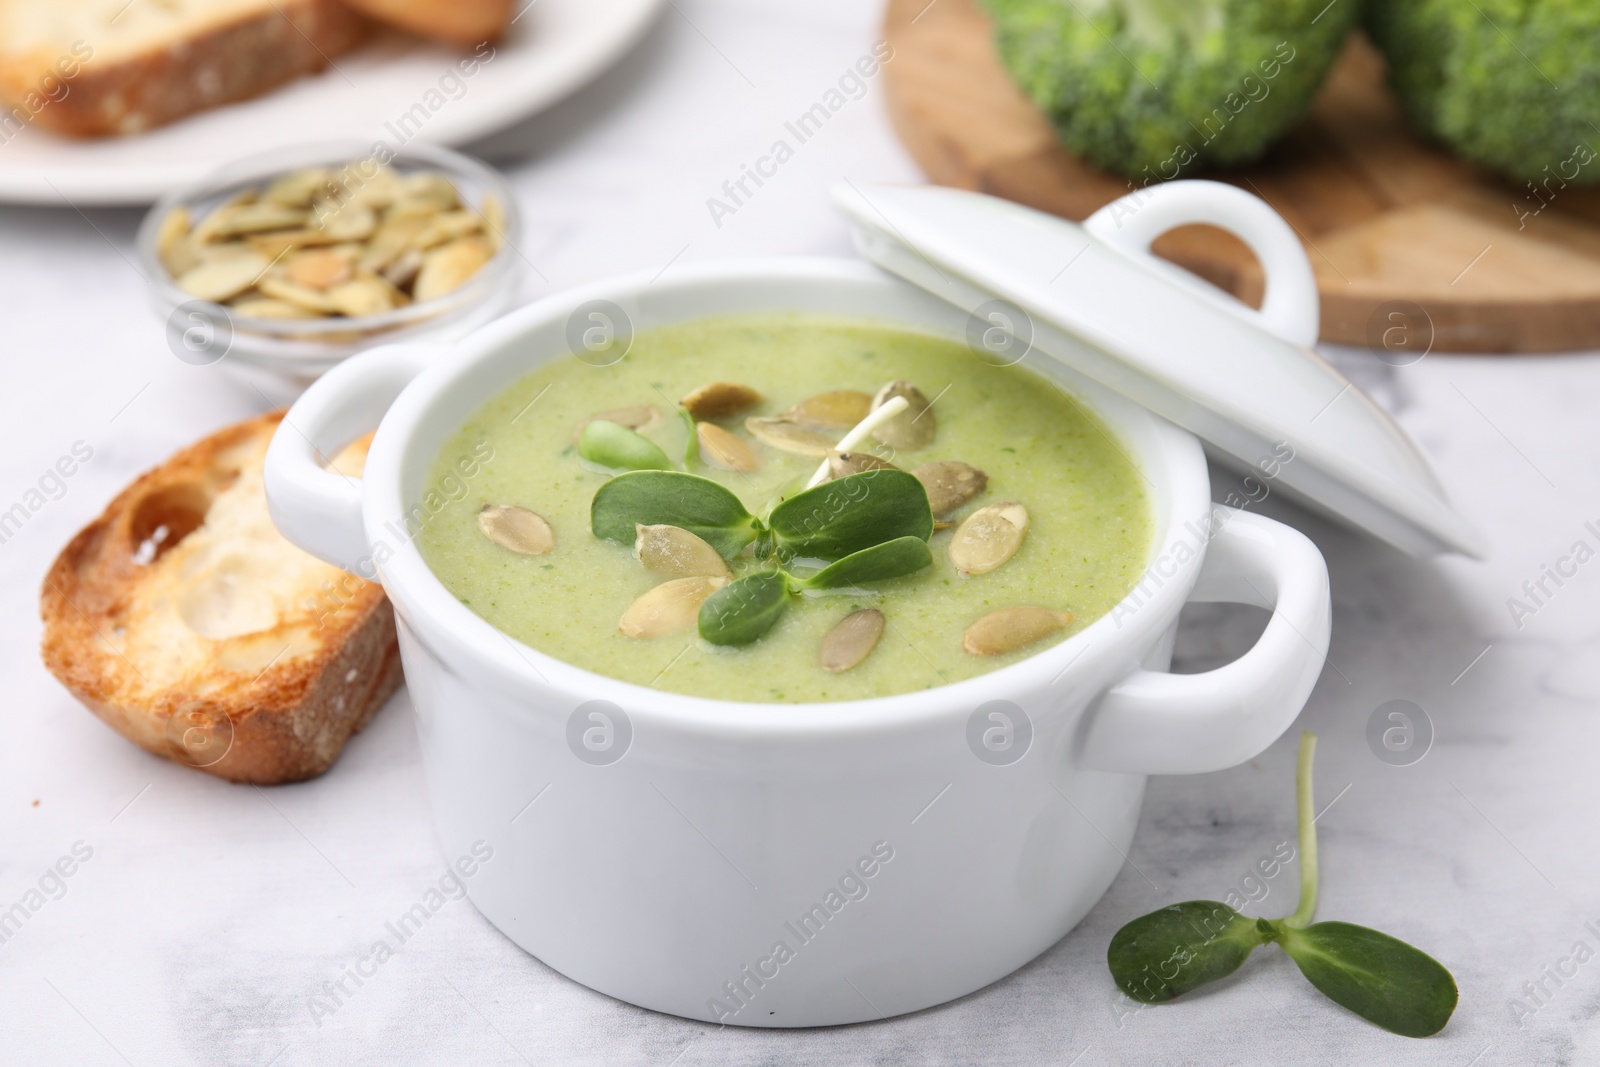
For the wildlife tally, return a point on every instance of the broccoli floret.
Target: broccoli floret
(1511, 84)
(1152, 88)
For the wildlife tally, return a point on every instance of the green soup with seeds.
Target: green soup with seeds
(1085, 548)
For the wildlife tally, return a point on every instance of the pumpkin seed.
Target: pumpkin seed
(428, 186)
(447, 268)
(255, 218)
(299, 295)
(641, 418)
(1008, 629)
(415, 209)
(376, 187)
(272, 245)
(839, 409)
(298, 188)
(988, 537)
(363, 296)
(171, 243)
(914, 427)
(842, 464)
(319, 268)
(721, 449)
(264, 308)
(402, 270)
(494, 219)
(447, 227)
(208, 253)
(393, 237)
(516, 528)
(368, 181)
(950, 483)
(718, 400)
(205, 229)
(222, 279)
(352, 222)
(675, 551)
(670, 608)
(181, 257)
(851, 640)
(785, 436)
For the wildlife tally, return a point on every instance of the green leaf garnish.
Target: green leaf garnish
(611, 445)
(1382, 979)
(677, 437)
(743, 611)
(892, 559)
(873, 526)
(691, 447)
(851, 513)
(1169, 952)
(672, 498)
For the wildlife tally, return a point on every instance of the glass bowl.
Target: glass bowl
(298, 350)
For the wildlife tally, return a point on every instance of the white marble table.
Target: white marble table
(209, 915)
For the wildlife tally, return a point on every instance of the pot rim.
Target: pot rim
(1175, 466)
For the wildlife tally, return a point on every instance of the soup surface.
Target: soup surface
(1086, 542)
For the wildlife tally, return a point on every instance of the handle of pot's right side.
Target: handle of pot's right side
(1154, 722)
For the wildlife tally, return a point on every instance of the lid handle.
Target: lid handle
(1290, 307)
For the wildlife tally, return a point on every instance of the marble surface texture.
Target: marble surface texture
(210, 914)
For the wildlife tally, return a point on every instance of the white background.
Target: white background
(210, 913)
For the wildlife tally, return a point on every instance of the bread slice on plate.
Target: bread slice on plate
(463, 22)
(184, 620)
(97, 67)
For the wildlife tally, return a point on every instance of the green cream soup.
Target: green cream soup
(1085, 545)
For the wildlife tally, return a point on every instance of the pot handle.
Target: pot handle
(313, 507)
(1290, 308)
(1154, 722)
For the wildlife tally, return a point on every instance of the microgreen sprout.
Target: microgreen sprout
(1382, 979)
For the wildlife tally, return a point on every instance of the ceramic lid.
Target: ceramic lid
(1244, 381)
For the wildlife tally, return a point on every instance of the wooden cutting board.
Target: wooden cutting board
(1413, 249)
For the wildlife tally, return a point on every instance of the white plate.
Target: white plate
(551, 49)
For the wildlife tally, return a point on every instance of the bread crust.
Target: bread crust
(285, 723)
(221, 65)
(463, 22)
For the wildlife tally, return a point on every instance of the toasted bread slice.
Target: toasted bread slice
(184, 620)
(464, 22)
(96, 67)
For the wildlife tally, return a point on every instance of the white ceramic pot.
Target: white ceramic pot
(793, 864)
